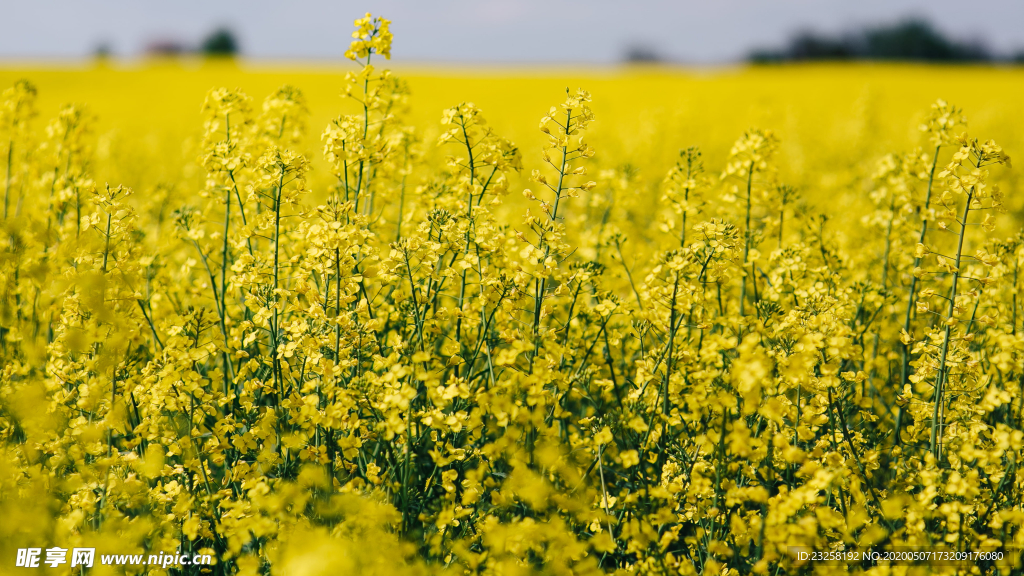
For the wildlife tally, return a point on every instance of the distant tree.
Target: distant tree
(102, 51)
(917, 40)
(910, 40)
(220, 42)
(766, 56)
(811, 46)
(638, 53)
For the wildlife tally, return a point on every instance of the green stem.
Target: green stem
(940, 379)
(275, 325)
(7, 189)
(905, 366)
(541, 284)
(746, 243)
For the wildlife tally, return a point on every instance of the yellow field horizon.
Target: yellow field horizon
(645, 114)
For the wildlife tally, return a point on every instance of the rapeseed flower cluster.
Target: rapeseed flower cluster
(400, 366)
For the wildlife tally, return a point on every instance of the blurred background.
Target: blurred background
(531, 32)
(676, 73)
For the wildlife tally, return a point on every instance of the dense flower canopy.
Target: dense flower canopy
(408, 364)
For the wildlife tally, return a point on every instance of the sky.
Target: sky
(483, 31)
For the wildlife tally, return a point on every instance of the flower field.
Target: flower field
(358, 321)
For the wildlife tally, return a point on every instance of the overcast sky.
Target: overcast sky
(483, 31)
